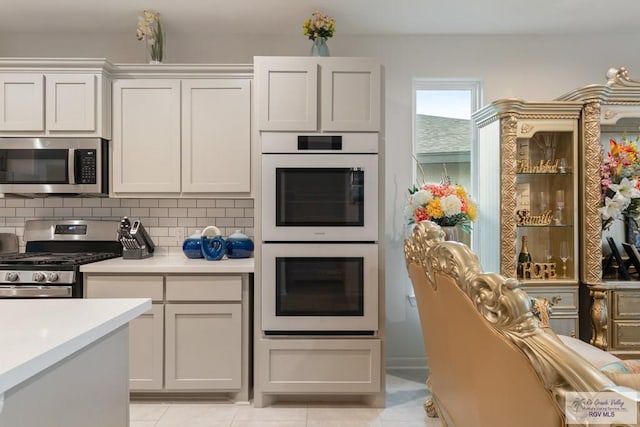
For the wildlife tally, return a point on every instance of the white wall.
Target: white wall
(530, 67)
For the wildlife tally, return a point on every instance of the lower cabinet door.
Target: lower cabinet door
(146, 359)
(203, 346)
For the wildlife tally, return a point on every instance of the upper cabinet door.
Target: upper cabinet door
(71, 102)
(21, 102)
(146, 136)
(350, 94)
(216, 135)
(287, 93)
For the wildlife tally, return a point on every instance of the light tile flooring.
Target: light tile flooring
(405, 397)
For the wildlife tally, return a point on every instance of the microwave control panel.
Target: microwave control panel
(86, 161)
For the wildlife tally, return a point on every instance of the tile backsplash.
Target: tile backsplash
(168, 221)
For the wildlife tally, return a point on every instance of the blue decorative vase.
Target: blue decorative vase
(320, 47)
(192, 246)
(239, 245)
(213, 248)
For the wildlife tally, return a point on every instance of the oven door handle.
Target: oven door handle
(8, 291)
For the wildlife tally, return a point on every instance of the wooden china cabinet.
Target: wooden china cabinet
(610, 307)
(528, 157)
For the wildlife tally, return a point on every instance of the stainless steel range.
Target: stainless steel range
(55, 250)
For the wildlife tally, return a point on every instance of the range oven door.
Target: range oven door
(320, 288)
(35, 291)
(320, 197)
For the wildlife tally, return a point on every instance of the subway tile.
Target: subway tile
(165, 241)
(249, 212)
(91, 202)
(203, 222)
(187, 203)
(101, 212)
(233, 212)
(130, 203)
(206, 203)
(120, 212)
(43, 212)
(224, 222)
(224, 203)
(14, 221)
(177, 212)
(244, 203)
(150, 222)
(148, 203)
(168, 222)
(53, 202)
(25, 212)
(196, 212)
(72, 202)
(187, 222)
(110, 203)
(215, 212)
(7, 212)
(3, 201)
(139, 212)
(34, 203)
(244, 222)
(82, 212)
(63, 212)
(159, 212)
(14, 203)
(158, 231)
(168, 203)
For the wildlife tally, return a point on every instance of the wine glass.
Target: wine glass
(562, 168)
(564, 256)
(547, 251)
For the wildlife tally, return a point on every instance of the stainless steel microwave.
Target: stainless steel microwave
(54, 166)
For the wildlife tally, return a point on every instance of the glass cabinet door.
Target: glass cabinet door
(546, 199)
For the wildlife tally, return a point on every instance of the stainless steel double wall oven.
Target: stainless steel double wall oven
(320, 232)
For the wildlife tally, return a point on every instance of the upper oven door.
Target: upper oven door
(48, 165)
(320, 197)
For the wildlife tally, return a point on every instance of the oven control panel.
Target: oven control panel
(43, 277)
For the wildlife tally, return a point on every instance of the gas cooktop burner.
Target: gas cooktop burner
(49, 258)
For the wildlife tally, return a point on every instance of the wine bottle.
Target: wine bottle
(523, 257)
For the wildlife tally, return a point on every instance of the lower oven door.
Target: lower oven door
(320, 288)
(34, 291)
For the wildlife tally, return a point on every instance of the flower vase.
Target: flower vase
(319, 47)
(450, 233)
(155, 44)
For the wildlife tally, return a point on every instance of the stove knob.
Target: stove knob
(12, 276)
(52, 277)
(38, 277)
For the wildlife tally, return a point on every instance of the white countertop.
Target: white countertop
(175, 263)
(37, 333)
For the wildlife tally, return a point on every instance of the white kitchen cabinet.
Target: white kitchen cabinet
(146, 136)
(203, 346)
(318, 94)
(216, 135)
(146, 333)
(194, 339)
(189, 136)
(50, 104)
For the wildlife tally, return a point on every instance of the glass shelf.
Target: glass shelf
(544, 226)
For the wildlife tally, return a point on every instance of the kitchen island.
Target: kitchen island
(64, 362)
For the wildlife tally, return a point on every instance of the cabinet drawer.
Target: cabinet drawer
(562, 325)
(568, 297)
(319, 366)
(625, 335)
(626, 305)
(110, 286)
(204, 288)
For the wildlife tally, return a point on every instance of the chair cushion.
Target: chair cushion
(622, 367)
(624, 373)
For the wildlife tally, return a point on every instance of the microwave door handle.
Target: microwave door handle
(71, 166)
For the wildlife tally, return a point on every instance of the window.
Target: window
(443, 131)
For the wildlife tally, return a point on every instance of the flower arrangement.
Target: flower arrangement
(445, 204)
(620, 182)
(319, 25)
(149, 28)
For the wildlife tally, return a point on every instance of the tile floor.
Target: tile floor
(405, 396)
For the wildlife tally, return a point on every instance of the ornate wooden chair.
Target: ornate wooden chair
(490, 362)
